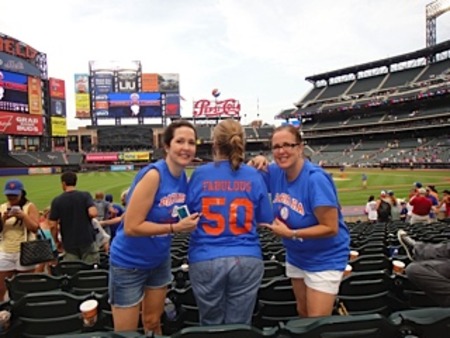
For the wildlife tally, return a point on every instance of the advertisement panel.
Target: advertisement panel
(57, 88)
(127, 81)
(135, 156)
(102, 84)
(169, 83)
(102, 157)
(13, 92)
(172, 104)
(35, 95)
(20, 124)
(82, 98)
(59, 126)
(122, 167)
(17, 56)
(224, 108)
(58, 107)
(134, 105)
(150, 83)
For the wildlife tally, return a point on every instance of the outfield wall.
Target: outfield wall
(29, 171)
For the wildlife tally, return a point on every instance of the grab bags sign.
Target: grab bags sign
(20, 124)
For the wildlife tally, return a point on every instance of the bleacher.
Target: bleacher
(386, 302)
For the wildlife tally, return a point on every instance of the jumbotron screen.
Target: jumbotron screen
(13, 92)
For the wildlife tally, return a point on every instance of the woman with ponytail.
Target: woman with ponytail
(225, 259)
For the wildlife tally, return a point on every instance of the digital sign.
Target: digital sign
(134, 105)
(20, 124)
(13, 92)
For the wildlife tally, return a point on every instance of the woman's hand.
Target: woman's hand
(187, 224)
(259, 162)
(279, 228)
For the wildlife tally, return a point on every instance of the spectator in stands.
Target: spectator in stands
(444, 202)
(20, 220)
(308, 217)
(371, 209)
(73, 211)
(225, 259)
(430, 267)
(431, 195)
(114, 220)
(47, 230)
(384, 207)
(403, 211)
(140, 263)
(421, 207)
(395, 206)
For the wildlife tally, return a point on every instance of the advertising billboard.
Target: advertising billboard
(150, 83)
(172, 104)
(18, 57)
(223, 108)
(20, 124)
(134, 105)
(13, 92)
(59, 126)
(57, 88)
(58, 107)
(127, 81)
(82, 97)
(102, 157)
(34, 96)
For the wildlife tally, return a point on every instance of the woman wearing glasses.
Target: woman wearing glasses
(308, 218)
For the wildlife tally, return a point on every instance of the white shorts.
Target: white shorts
(11, 262)
(327, 281)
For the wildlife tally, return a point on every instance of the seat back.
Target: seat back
(225, 331)
(87, 281)
(25, 283)
(367, 326)
(425, 323)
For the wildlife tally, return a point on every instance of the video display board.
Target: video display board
(134, 104)
(13, 92)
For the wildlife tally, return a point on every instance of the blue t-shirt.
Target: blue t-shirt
(147, 252)
(294, 203)
(231, 203)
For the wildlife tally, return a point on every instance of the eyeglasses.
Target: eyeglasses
(284, 146)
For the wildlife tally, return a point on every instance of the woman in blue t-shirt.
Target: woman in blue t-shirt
(308, 217)
(140, 263)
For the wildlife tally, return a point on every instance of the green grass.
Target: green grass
(41, 189)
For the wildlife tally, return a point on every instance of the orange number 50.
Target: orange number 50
(208, 202)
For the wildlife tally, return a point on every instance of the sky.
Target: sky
(256, 51)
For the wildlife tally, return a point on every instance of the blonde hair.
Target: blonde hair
(228, 138)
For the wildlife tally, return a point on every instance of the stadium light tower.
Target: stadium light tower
(432, 11)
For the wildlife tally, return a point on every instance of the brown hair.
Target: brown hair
(291, 129)
(169, 132)
(228, 137)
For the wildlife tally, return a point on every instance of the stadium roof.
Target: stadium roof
(426, 52)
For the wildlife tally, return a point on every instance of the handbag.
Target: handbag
(36, 251)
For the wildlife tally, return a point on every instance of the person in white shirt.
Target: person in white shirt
(371, 209)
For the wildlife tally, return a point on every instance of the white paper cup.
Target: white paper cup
(89, 312)
(398, 267)
(184, 267)
(348, 270)
(353, 255)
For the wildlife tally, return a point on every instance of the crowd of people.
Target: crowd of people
(422, 205)
(221, 207)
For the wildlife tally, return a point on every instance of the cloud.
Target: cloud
(252, 50)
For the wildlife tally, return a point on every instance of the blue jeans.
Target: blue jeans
(226, 289)
(127, 286)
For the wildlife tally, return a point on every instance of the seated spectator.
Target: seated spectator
(430, 267)
(421, 207)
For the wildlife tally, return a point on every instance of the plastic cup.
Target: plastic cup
(353, 255)
(5, 317)
(348, 270)
(89, 312)
(184, 267)
(398, 267)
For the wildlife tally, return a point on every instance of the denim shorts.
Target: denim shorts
(127, 286)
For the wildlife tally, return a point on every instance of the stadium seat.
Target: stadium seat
(424, 323)
(372, 262)
(367, 326)
(87, 281)
(71, 267)
(225, 331)
(366, 292)
(26, 283)
(186, 306)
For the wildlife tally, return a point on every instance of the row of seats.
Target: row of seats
(424, 323)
